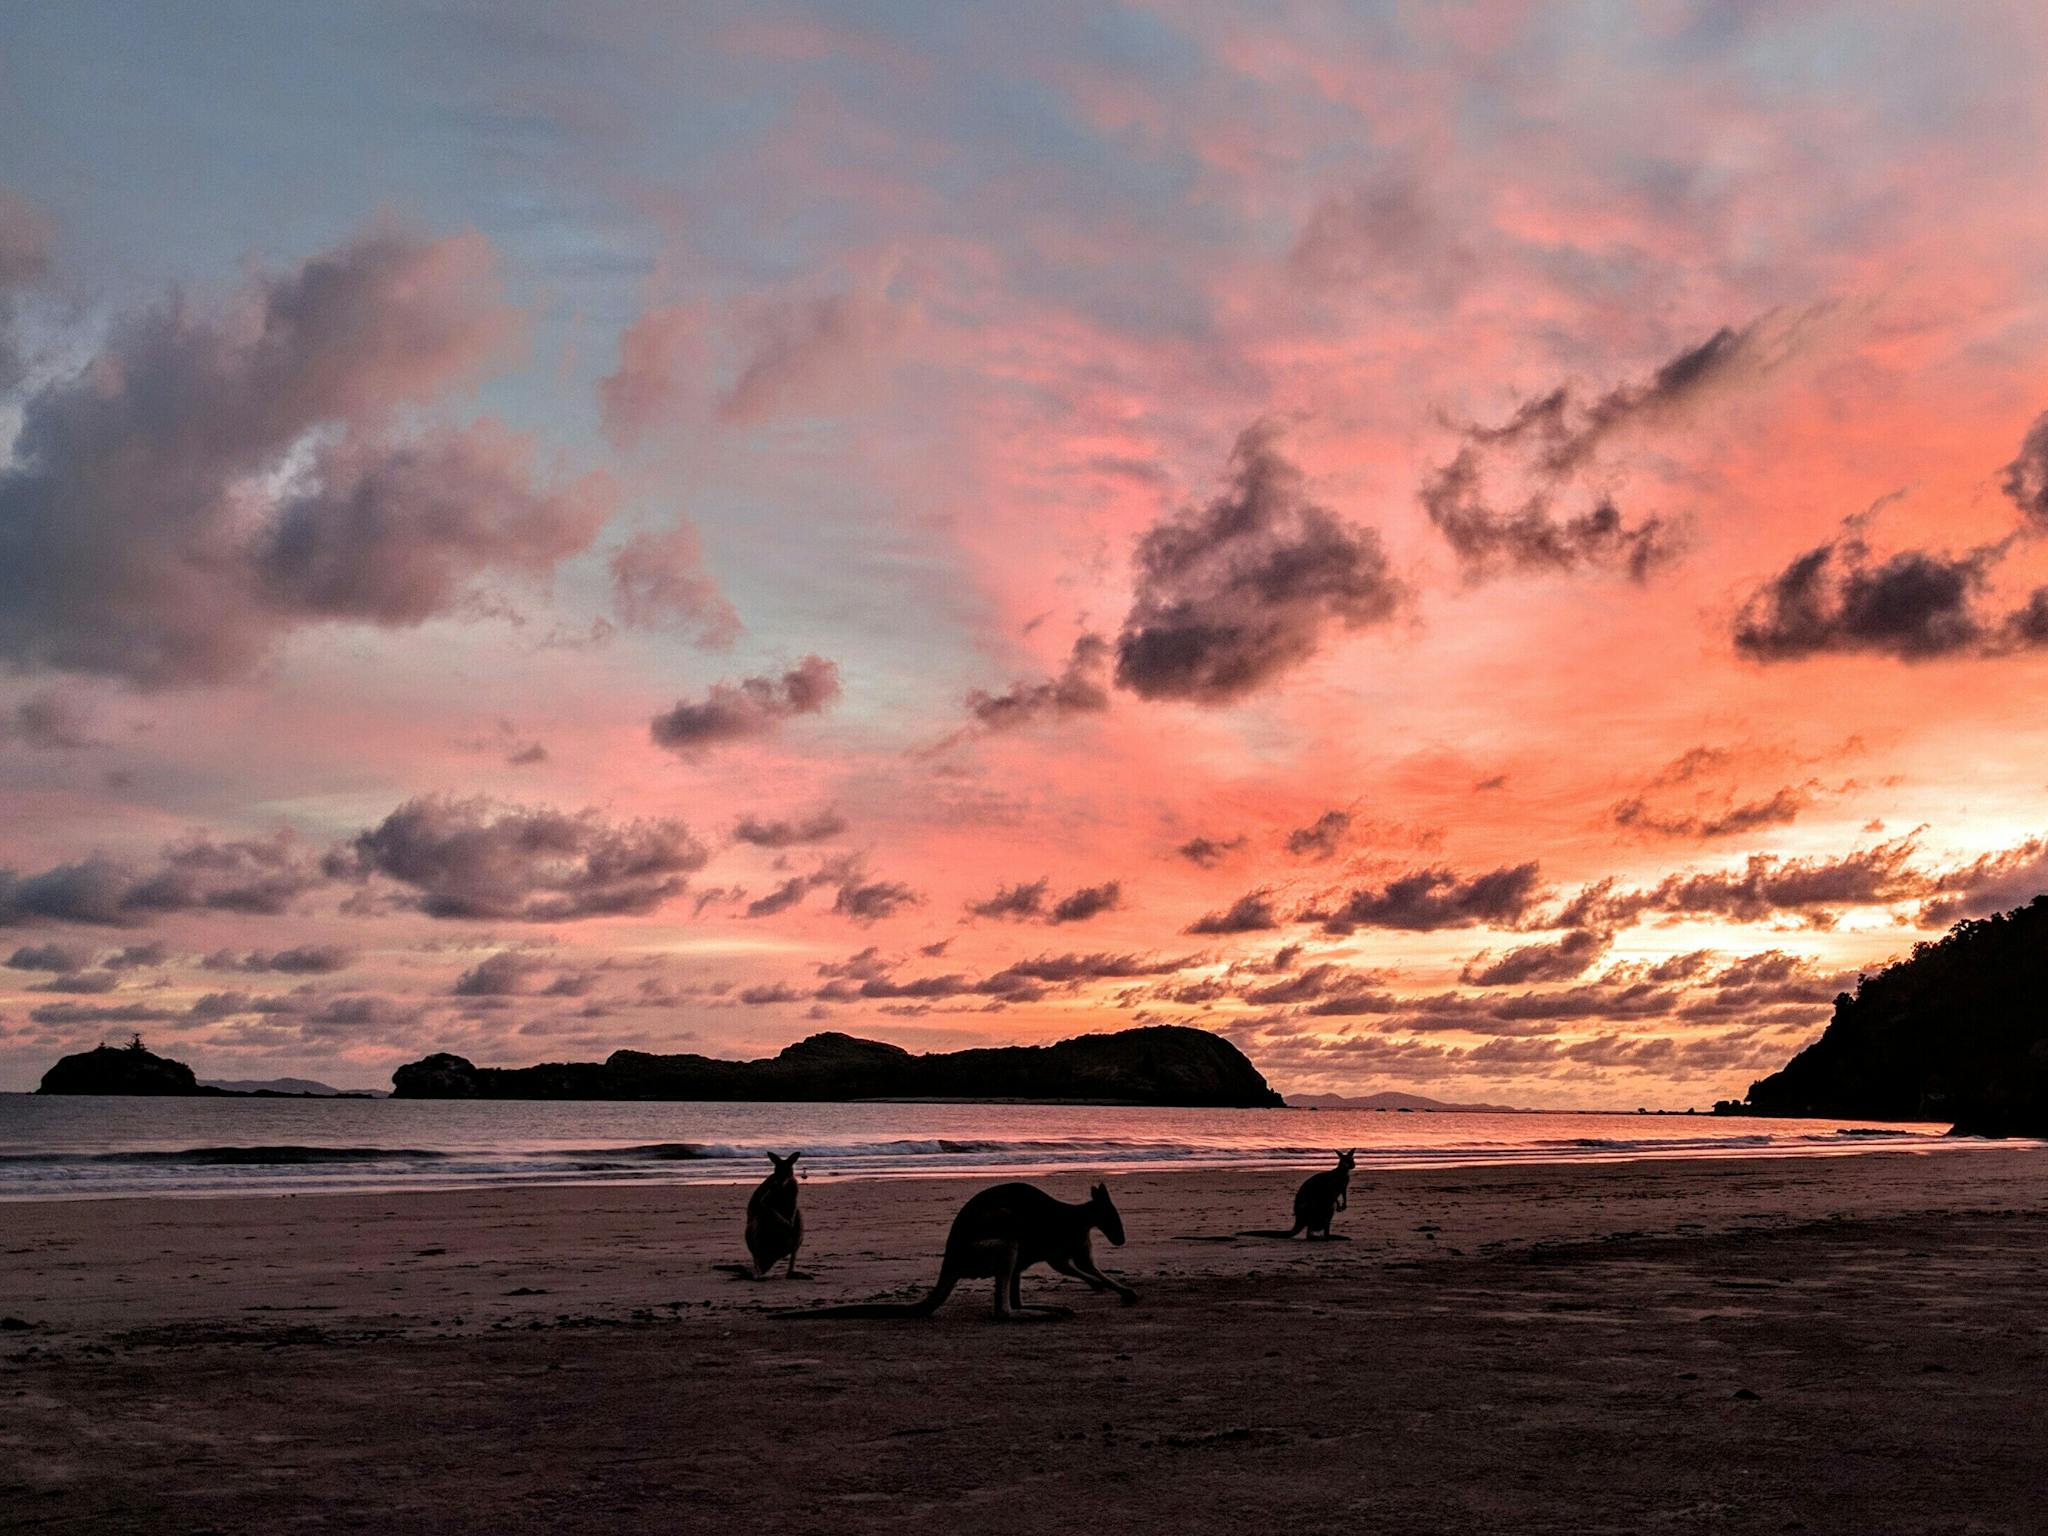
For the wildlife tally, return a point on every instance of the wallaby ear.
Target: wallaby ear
(795, 1155)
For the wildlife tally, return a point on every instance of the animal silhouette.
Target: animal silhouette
(1317, 1202)
(775, 1227)
(999, 1234)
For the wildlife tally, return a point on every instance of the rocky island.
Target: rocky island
(1957, 1031)
(1160, 1064)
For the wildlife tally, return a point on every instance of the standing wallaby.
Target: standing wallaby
(775, 1227)
(999, 1234)
(1317, 1202)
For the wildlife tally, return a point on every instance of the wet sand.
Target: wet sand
(1853, 1344)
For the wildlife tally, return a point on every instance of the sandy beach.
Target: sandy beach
(1820, 1344)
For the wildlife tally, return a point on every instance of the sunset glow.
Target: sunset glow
(1494, 550)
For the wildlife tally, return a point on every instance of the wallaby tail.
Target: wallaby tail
(1295, 1231)
(933, 1300)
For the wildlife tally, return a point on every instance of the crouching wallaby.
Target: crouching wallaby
(775, 1227)
(998, 1235)
(1317, 1202)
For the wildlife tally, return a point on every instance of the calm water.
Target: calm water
(68, 1148)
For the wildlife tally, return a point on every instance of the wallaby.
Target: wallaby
(999, 1234)
(1317, 1202)
(775, 1227)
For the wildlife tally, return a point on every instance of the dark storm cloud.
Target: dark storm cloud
(1768, 886)
(1013, 903)
(133, 542)
(476, 858)
(48, 722)
(754, 706)
(2025, 479)
(659, 583)
(25, 240)
(1430, 899)
(1915, 604)
(1233, 594)
(1532, 536)
(1252, 913)
(1837, 598)
(1321, 838)
(1030, 902)
(1089, 901)
(258, 875)
(1561, 960)
(1997, 882)
(1550, 445)
(299, 960)
(818, 826)
(49, 957)
(868, 901)
(1081, 688)
(1774, 810)
(1208, 852)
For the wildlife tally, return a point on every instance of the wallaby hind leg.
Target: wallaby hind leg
(1008, 1308)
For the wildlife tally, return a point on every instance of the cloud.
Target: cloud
(1082, 687)
(1767, 885)
(1029, 902)
(1773, 810)
(212, 480)
(1089, 901)
(1321, 838)
(48, 722)
(1997, 882)
(1837, 598)
(801, 350)
(257, 876)
(25, 241)
(393, 534)
(1384, 235)
(299, 960)
(754, 706)
(1013, 903)
(867, 901)
(1548, 449)
(1251, 913)
(476, 858)
(659, 583)
(1208, 852)
(49, 957)
(507, 973)
(818, 826)
(2025, 479)
(1573, 955)
(1430, 899)
(660, 353)
(1233, 594)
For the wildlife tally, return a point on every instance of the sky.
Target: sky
(1489, 549)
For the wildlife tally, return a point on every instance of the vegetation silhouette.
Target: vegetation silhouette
(1957, 1031)
(999, 1234)
(1317, 1202)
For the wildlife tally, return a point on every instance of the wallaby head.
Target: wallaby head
(1107, 1221)
(1346, 1161)
(785, 1167)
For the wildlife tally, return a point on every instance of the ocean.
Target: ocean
(81, 1148)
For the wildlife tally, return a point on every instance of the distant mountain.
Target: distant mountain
(1392, 1100)
(292, 1087)
(1957, 1031)
(1162, 1064)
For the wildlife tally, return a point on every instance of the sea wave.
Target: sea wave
(216, 1157)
